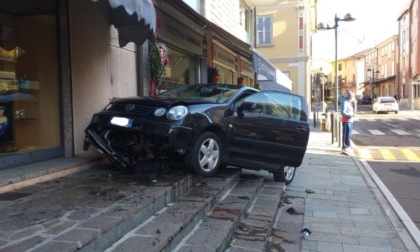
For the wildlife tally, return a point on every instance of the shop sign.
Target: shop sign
(263, 67)
(173, 32)
(224, 57)
(246, 68)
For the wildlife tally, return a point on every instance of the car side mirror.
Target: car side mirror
(246, 106)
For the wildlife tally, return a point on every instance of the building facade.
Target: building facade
(372, 72)
(409, 55)
(260, 72)
(382, 67)
(62, 61)
(283, 35)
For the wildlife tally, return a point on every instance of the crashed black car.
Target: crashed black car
(205, 126)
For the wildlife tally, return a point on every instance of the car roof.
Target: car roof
(386, 98)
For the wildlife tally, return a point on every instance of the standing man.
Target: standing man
(348, 109)
(397, 97)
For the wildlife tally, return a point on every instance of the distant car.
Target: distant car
(204, 127)
(385, 104)
(365, 99)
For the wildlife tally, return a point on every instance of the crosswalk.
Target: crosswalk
(378, 132)
(389, 127)
(373, 125)
(389, 154)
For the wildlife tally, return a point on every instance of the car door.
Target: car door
(275, 131)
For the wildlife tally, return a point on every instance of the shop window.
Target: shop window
(180, 70)
(29, 89)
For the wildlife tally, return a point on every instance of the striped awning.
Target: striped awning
(135, 20)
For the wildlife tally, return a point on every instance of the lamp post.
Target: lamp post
(321, 26)
(372, 84)
(324, 80)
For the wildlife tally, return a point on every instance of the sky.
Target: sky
(376, 21)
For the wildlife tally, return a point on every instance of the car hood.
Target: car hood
(160, 101)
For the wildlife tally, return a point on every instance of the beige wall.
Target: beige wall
(100, 70)
(285, 53)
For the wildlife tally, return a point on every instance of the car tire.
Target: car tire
(396, 112)
(205, 156)
(285, 174)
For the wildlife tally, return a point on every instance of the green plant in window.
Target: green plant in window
(158, 61)
(213, 75)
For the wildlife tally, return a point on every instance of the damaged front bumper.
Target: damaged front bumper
(161, 139)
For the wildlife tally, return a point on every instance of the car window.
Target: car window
(387, 100)
(277, 104)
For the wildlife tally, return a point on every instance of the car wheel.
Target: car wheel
(205, 156)
(396, 112)
(285, 174)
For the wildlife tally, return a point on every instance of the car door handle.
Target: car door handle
(301, 129)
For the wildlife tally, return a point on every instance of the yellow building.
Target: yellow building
(283, 32)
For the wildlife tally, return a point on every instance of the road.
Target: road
(390, 145)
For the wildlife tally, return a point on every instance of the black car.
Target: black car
(205, 126)
(366, 99)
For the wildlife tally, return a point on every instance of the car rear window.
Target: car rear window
(387, 100)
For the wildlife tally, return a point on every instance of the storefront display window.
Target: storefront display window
(226, 76)
(179, 70)
(29, 86)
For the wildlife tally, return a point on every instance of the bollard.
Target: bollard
(332, 128)
(340, 138)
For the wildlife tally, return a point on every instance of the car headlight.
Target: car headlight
(160, 112)
(177, 112)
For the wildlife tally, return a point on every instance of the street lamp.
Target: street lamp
(321, 26)
(372, 84)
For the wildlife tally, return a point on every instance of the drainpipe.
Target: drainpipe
(411, 95)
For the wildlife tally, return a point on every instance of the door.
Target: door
(274, 130)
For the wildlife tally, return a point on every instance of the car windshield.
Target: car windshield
(211, 92)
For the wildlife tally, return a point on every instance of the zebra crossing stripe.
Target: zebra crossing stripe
(364, 153)
(376, 132)
(400, 132)
(355, 132)
(410, 155)
(387, 154)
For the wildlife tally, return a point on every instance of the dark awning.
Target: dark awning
(135, 20)
(263, 66)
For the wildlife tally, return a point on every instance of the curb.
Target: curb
(45, 171)
(401, 222)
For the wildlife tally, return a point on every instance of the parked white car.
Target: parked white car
(385, 104)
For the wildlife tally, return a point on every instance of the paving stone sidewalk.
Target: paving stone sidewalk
(344, 209)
